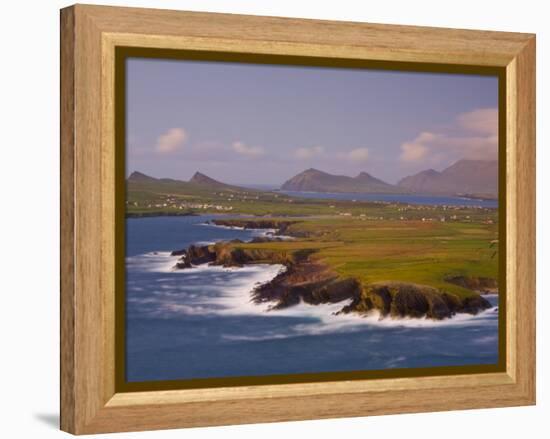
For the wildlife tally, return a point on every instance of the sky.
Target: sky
(263, 124)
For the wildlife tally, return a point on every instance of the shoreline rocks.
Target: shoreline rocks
(229, 254)
(401, 299)
(306, 281)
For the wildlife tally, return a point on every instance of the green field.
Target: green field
(425, 253)
(182, 198)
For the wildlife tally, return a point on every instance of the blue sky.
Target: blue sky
(262, 124)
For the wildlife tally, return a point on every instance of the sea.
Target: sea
(201, 322)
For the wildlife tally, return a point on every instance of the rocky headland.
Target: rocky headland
(308, 280)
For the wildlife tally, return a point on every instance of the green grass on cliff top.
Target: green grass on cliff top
(418, 252)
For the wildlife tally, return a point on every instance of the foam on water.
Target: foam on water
(207, 289)
(204, 289)
(235, 297)
(221, 227)
(271, 233)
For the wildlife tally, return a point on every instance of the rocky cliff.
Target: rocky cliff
(399, 299)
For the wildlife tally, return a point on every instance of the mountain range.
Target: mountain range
(465, 177)
(198, 180)
(479, 177)
(472, 177)
(313, 180)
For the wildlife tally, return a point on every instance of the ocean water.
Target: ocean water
(200, 323)
(437, 200)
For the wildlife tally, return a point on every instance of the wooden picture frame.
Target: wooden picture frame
(90, 36)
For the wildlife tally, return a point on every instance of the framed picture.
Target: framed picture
(268, 219)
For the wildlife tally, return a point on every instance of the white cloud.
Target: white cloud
(472, 135)
(483, 121)
(308, 153)
(171, 141)
(358, 155)
(247, 151)
(417, 149)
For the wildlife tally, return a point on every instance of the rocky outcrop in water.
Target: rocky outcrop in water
(306, 281)
(194, 255)
(399, 299)
(228, 254)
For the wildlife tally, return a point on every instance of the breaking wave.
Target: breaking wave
(211, 290)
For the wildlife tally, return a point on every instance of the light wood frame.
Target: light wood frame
(89, 35)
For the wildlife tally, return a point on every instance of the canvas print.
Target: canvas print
(290, 219)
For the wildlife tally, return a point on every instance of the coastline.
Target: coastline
(305, 280)
(208, 309)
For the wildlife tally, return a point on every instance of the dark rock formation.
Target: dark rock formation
(228, 254)
(194, 255)
(474, 304)
(398, 299)
(307, 281)
(179, 252)
(201, 254)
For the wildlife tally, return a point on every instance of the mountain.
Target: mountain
(140, 177)
(313, 180)
(205, 180)
(473, 177)
(365, 178)
(417, 182)
(198, 181)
